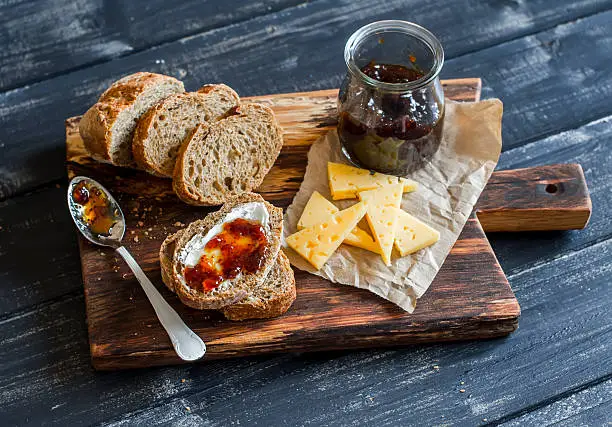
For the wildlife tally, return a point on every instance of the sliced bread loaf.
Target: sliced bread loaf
(232, 290)
(270, 299)
(227, 157)
(108, 126)
(162, 129)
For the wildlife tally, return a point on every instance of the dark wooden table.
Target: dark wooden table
(551, 64)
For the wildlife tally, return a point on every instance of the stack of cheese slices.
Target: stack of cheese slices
(209, 143)
(323, 227)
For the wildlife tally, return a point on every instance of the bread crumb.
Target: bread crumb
(188, 408)
(132, 232)
(99, 278)
(136, 239)
(150, 229)
(462, 390)
(462, 382)
(183, 380)
(134, 209)
(436, 367)
(146, 233)
(140, 223)
(124, 275)
(58, 186)
(179, 224)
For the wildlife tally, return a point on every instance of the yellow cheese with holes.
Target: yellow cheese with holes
(382, 207)
(318, 242)
(412, 235)
(346, 181)
(319, 209)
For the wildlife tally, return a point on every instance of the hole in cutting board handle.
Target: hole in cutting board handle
(552, 188)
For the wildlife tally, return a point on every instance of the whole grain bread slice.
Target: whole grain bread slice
(162, 129)
(227, 157)
(108, 126)
(271, 298)
(237, 289)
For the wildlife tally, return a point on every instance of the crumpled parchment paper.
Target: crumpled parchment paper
(449, 186)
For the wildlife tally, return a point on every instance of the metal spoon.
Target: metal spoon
(186, 343)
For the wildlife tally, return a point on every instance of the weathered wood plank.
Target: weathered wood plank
(589, 407)
(43, 356)
(549, 82)
(39, 260)
(240, 55)
(50, 37)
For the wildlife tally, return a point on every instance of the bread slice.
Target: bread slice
(229, 157)
(237, 289)
(162, 129)
(270, 299)
(220, 98)
(108, 126)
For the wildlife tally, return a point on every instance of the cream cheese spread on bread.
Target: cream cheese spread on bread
(190, 255)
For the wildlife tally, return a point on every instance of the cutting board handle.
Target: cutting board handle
(553, 197)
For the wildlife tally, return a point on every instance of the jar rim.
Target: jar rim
(399, 26)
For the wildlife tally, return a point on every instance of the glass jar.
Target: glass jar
(391, 102)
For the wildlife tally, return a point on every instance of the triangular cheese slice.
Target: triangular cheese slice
(318, 242)
(319, 209)
(346, 181)
(382, 206)
(412, 235)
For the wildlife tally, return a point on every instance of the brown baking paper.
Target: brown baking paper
(449, 186)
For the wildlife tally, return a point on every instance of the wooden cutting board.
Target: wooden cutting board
(469, 299)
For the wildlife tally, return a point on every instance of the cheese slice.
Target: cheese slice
(382, 210)
(346, 181)
(318, 242)
(412, 235)
(319, 209)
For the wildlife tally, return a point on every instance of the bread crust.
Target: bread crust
(97, 123)
(238, 290)
(260, 308)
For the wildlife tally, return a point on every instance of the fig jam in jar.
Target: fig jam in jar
(391, 103)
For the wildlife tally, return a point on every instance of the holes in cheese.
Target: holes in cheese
(326, 240)
(382, 205)
(320, 209)
(412, 234)
(345, 181)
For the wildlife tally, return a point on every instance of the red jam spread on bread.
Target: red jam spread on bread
(96, 208)
(240, 247)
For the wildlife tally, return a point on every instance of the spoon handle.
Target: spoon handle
(187, 344)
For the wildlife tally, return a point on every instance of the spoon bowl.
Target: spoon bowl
(99, 218)
(117, 231)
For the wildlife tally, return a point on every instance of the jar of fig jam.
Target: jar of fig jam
(391, 103)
